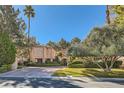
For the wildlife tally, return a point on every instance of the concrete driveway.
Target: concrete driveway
(31, 72)
(36, 77)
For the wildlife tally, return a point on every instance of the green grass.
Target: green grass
(90, 72)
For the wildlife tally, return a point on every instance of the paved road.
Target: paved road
(41, 78)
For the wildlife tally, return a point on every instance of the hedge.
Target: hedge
(5, 68)
(79, 64)
(7, 49)
(36, 64)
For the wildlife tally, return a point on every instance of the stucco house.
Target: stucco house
(42, 53)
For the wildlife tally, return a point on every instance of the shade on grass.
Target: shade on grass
(90, 72)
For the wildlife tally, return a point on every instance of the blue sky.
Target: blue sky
(56, 22)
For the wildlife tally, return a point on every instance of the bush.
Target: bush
(90, 65)
(56, 59)
(5, 68)
(36, 64)
(75, 66)
(77, 62)
(63, 62)
(20, 63)
(25, 63)
(117, 64)
(80, 64)
(7, 50)
(48, 61)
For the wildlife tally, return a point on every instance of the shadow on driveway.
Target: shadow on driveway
(121, 82)
(36, 83)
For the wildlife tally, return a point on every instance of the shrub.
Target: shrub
(75, 66)
(117, 64)
(63, 62)
(77, 62)
(20, 63)
(90, 65)
(7, 50)
(25, 63)
(36, 64)
(5, 68)
(56, 59)
(48, 61)
(80, 64)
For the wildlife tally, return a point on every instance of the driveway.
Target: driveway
(35, 77)
(31, 72)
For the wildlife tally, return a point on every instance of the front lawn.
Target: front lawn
(116, 73)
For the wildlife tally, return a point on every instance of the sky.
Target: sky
(51, 23)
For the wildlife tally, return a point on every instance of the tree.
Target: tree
(13, 26)
(21, 47)
(77, 51)
(54, 45)
(75, 40)
(33, 41)
(10, 22)
(63, 44)
(107, 14)
(7, 49)
(29, 12)
(118, 15)
(105, 44)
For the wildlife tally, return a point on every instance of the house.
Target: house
(42, 53)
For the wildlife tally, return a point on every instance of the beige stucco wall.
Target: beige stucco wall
(43, 52)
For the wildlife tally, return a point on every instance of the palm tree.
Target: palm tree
(107, 14)
(29, 12)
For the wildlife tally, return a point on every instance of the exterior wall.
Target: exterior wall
(42, 52)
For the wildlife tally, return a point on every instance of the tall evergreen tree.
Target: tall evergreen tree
(63, 44)
(75, 40)
(107, 14)
(29, 12)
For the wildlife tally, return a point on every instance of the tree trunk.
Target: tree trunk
(107, 70)
(107, 14)
(113, 60)
(99, 66)
(106, 65)
(29, 39)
